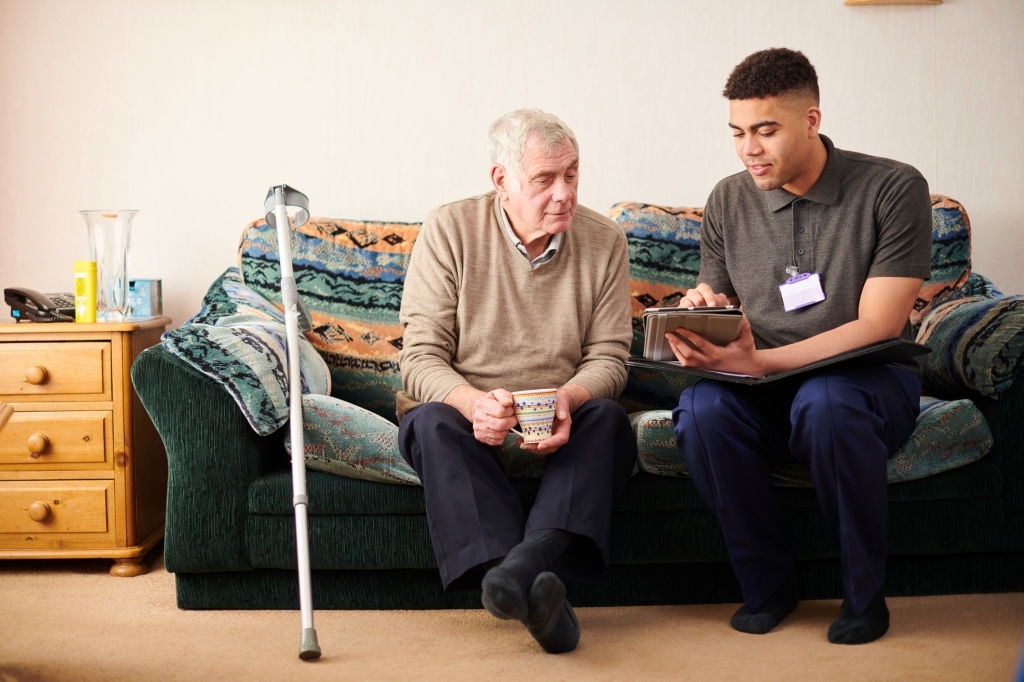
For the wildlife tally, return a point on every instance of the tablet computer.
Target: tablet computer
(718, 324)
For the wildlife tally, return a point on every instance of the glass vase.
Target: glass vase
(110, 235)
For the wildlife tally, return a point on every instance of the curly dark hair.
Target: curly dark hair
(770, 73)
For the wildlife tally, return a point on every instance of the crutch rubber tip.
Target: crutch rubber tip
(309, 649)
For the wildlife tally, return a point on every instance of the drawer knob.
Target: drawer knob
(37, 444)
(36, 375)
(39, 511)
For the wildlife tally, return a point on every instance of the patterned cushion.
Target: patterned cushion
(977, 345)
(350, 275)
(238, 339)
(345, 439)
(949, 434)
(951, 256)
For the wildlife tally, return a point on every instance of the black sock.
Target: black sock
(863, 628)
(506, 588)
(551, 620)
(778, 606)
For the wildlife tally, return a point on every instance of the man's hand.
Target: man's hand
(739, 356)
(493, 416)
(701, 296)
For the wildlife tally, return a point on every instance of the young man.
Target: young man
(826, 250)
(518, 289)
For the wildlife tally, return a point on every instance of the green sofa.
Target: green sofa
(213, 390)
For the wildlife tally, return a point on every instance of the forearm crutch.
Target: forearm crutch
(279, 200)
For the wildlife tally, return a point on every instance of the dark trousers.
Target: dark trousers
(475, 515)
(842, 423)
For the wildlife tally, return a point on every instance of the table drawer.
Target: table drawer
(48, 440)
(44, 507)
(79, 370)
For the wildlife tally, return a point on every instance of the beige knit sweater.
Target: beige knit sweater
(475, 312)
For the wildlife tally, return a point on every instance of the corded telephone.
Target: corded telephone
(28, 304)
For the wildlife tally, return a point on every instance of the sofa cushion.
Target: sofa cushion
(949, 434)
(977, 345)
(345, 439)
(238, 339)
(349, 274)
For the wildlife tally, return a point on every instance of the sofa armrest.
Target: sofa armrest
(1007, 455)
(212, 457)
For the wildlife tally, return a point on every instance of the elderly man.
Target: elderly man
(519, 288)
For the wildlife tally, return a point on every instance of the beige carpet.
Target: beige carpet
(70, 620)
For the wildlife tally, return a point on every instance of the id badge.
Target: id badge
(801, 291)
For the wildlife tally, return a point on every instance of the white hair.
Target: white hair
(510, 132)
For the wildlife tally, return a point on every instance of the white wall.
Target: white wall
(191, 109)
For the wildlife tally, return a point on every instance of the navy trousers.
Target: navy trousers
(475, 515)
(842, 423)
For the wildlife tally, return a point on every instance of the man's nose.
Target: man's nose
(751, 145)
(563, 190)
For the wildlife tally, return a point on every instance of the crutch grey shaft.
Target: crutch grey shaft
(276, 205)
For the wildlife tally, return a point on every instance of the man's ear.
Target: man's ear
(813, 121)
(498, 179)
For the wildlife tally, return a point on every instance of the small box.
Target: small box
(145, 298)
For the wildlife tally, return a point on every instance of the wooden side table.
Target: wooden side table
(83, 473)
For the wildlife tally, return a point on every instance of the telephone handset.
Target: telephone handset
(28, 304)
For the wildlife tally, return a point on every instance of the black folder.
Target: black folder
(880, 352)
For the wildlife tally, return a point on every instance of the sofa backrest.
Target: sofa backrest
(664, 253)
(350, 274)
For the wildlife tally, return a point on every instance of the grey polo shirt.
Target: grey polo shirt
(865, 217)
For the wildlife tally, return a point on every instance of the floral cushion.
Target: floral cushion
(349, 274)
(977, 345)
(949, 434)
(239, 340)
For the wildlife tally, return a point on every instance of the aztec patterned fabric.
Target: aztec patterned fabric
(238, 339)
(951, 256)
(664, 257)
(977, 345)
(349, 275)
(949, 434)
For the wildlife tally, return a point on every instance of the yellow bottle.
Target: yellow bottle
(85, 291)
